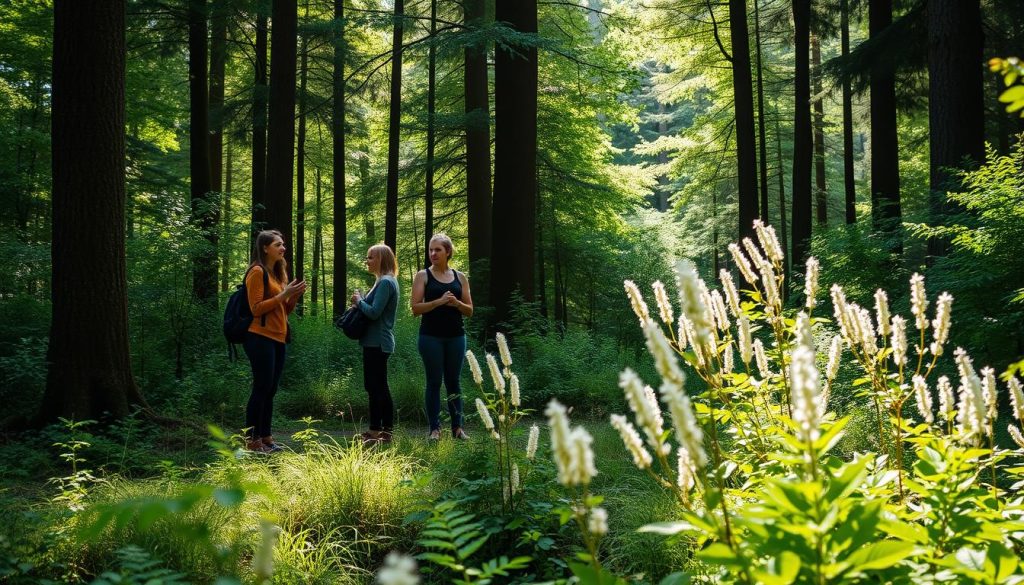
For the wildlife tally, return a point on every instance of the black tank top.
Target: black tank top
(443, 321)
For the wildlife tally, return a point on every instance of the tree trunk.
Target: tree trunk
(542, 281)
(885, 167)
(259, 125)
(204, 206)
(226, 219)
(848, 178)
(802, 140)
(218, 60)
(515, 157)
(428, 191)
(820, 191)
(763, 158)
(281, 121)
(783, 232)
(300, 171)
(478, 153)
(89, 372)
(394, 128)
(338, 164)
(317, 246)
(956, 102)
(744, 100)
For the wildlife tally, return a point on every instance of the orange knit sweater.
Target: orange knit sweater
(273, 307)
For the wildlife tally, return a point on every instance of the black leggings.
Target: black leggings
(375, 380)
(266, 357)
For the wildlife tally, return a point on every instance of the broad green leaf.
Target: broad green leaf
(880, 555)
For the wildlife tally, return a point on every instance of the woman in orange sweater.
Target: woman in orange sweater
(265, 342)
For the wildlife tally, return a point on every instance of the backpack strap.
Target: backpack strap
(266, 285)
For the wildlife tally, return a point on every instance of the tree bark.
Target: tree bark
(478, 152)
(783, 232)
(956, 102)
(746, 156)
(317, 246)
(428, 190)
(89, 372)
(218, 61)
(226, 220)
(338, 164)
(885, 169)
(394, 131)
(300, 170)
(763, 158)
(281, 121)
(848, 178)
(820, 191)
(515, 158)
(259, 125)
(802, 139)
(204, 205)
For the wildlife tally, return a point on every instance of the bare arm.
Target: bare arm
(464, 306)
(419, 286)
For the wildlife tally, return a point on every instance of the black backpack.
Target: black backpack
(238, 316)
(353, 323)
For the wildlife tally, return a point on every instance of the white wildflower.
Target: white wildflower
(648, 414)
(732, 296)
(762, 359)
(597, 525)
(636, 300)
(263, 559)
(918, 301)
(1016, 397)
(835, 352)
(806, 391)
(771, 286)
(971, 409)
(664, 305)
(531, 442)
(899, 341)
(727, 359)
(514, 479)
(682, 335)
(1015, 435)
(506, 355)
(743, 264)
(940, 326)
(691, 301)
(571, 449)
(811, 282)
(882, 312)
(866, 328)
(665, 360)
(802, 331)
(474, 368)
(755, 255)
(963, 363)
(990, 391)
(769, 241)
(485, 416)
(746, 347)
(583, 469)
(842, 315)
(924, 399)
(688, 432)
(721, 314)
(684, 470)
(398, 569)
(947, 400)
(513, 390)
(496, 375)
(631, 439)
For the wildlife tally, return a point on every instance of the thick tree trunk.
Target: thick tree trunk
(281, 121)
(478, 153)
(956, 101)
(761, 132)
(848, 178)
(89, 371)
(218, 60)
(820, 191)
(428, 190)
(300, 172)
(204, 205)
(802, 140)
(259, 126)
(338, 164)
(226, 220)
(394, 131)
(515, 158)
(885, 164)
(744, 101)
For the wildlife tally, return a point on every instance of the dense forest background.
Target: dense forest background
(565, 146)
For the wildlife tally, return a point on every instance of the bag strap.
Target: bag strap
(266, 285)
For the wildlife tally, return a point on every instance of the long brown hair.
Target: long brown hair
(259, 257)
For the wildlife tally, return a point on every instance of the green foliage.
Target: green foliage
(1012, 71)
(136, 566)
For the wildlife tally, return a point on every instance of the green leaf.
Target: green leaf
(472, 547)
(880, 555)
(1001, 562)
(719, 554)
(1012, 95)
(676, 579)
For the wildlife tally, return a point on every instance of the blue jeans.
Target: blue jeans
(443, 358)
(266, 357)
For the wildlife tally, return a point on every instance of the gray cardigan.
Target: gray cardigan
(381, 306)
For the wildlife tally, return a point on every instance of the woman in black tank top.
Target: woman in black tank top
(441, 295)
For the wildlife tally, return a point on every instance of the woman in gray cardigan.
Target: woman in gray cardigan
(380, 306)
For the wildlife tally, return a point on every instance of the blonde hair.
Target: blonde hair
(388, 263)
(445, 241)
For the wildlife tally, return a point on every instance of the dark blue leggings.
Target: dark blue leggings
(443, 358)
(266, 357)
